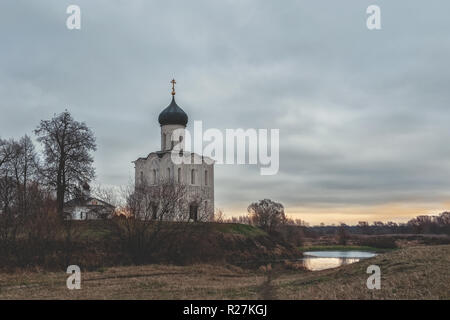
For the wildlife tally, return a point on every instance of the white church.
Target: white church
(197, 176)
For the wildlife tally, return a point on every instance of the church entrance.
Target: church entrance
(193, 212)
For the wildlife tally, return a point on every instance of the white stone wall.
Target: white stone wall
(85, 213)
(166, 136)
(154, 169)
(79, 213)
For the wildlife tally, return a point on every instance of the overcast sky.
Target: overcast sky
(363, 115)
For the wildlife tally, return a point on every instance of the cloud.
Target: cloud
(363, 115)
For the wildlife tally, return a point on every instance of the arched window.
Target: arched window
(192, 158)
(192, 176)
(180, 145)
(167, 141)
(206, 177)
(142, 177)
(168, 173)
(154, 176)
(179, 175)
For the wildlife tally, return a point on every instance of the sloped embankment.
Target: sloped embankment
(98, 244)
(237, 244)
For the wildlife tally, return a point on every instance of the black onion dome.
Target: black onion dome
(173, 114)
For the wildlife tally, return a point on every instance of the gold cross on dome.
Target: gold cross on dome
(173, 86)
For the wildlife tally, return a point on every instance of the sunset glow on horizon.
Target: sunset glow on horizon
(351, 215)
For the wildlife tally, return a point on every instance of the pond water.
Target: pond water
(321, 260)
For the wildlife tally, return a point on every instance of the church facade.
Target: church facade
(195, 174)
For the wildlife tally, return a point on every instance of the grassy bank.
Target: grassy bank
(343, 248)
(408, 273)
(103, 244)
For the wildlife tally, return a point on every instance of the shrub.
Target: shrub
(379, 242)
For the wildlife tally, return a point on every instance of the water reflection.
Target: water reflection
(321, 260)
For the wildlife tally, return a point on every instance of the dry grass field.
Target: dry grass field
(421, 272)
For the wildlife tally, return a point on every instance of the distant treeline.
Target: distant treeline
(423, 224)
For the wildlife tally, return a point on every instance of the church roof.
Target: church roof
(161, 154)
(173, 114)
(87, 202)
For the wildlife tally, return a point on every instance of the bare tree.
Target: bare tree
(5, 152)
(170, 199)
(240, 219)
(67, 148)
(444, 219)
(41, 224)
(148, 208)
(342, 235)
(109, 194)
(156, 220)
(219, 216)
(8, 195)
(267, 214)
(364, 227)
(421, 224)
(24, 165)
(8, 217)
